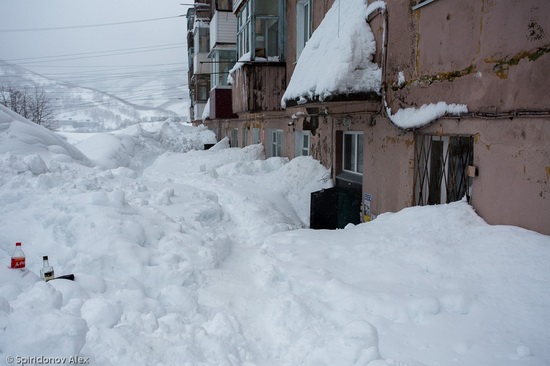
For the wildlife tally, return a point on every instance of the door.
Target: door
(334, 208)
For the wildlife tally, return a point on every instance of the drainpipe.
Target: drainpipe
(384, 108)
(383, 61)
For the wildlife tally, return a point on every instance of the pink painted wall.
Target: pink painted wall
(493, 56)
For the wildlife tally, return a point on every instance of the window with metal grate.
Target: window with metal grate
(441, 169)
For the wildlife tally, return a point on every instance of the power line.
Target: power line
(96, 56)
(175, 74)
(87, 25)
(121, 66)
(115, 73)
(96, 52)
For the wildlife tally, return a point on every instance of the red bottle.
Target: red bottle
(18, 257)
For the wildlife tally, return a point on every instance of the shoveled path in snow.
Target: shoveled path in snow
(246, 299)
(197, 259)
(403, 290)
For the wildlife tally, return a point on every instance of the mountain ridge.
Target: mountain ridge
(75, 104)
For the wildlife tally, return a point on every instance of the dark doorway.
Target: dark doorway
(334, 208)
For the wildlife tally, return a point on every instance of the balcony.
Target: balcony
(223, 29)
(220, 104)
(258, 87)
(201, 63)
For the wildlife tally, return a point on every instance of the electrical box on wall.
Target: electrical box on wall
(472, 171)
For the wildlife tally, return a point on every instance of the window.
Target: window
(275, 143)
(245, 136)
(441, 166)
(256, 139)
(202, 87)
(243, 29)
(303, 25)
(353, 152)
(224, 60)
(260, 29)
(420, 3)
(234, 140)
(224, 5)
(202, 39)
(190, 54)
(303, 143)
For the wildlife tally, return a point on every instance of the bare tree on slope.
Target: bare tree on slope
(33, 105)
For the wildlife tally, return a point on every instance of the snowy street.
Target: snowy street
(190, 257)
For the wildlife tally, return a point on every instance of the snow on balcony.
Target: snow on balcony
(338, 58)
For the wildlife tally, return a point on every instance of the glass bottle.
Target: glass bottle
(46, 273)
(18, 257)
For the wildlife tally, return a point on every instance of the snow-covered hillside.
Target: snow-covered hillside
(89, 107)
(190, 257)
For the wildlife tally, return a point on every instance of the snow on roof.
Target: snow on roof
(247, 57)
(240, 62)
(409, 118)
(338, 57)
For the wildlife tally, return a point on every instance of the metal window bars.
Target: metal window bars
(441, 169)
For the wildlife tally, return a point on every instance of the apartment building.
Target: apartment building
(408, 103)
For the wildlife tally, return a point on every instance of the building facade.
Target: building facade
(491, 58)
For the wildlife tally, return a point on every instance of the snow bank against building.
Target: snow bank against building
(184, 256)
(142, 227)
(338, 58)
(439, 285)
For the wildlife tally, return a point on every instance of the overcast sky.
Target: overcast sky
(79, 47)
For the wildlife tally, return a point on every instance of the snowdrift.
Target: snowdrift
(19, 136)
(189, 257)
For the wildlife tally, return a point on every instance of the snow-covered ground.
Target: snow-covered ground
(191, 257)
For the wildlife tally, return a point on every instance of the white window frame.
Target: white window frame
(304, 25)
(219, 75)
(357, 152)
(244, 28)
(234, 139)
(245, 136)
(248, 23)
(256, 136)
(202, 39)
(303, 143)
(276, 143)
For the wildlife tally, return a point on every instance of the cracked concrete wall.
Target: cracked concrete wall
(512, 157)
(389, 167)
(513, 161)
(492, 55)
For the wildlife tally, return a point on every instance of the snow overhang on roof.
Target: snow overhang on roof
(415, 118)
(337, 60)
